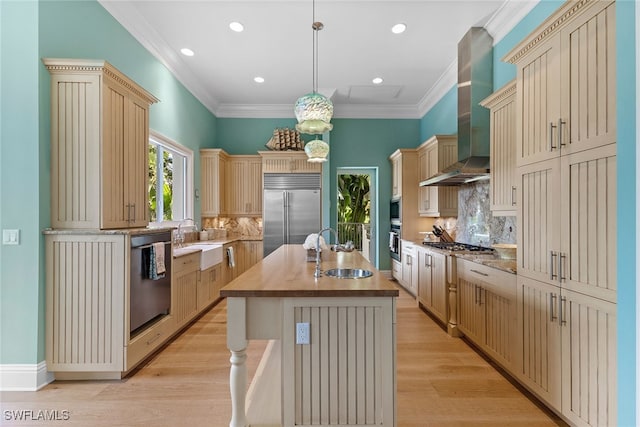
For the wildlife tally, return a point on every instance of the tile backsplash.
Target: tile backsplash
(476, 225)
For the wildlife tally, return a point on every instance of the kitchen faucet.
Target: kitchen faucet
(180, 234)
(348, 247)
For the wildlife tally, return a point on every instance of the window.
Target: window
(170, 180)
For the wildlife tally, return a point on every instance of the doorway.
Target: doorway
(357, 210)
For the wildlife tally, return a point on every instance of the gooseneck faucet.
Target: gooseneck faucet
(180, 234)
(318, 272)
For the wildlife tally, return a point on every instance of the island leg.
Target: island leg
(237, 344)
(238, 386)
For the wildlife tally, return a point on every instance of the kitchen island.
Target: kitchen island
(345, 374)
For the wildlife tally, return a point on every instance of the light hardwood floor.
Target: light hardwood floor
(441, 382)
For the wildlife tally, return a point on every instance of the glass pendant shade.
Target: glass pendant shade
(314, 112)
(317, 150)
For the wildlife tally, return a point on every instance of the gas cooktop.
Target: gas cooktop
(458, 247)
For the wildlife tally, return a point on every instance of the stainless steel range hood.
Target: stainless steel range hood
(475, 83)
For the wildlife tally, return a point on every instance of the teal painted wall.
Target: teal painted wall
(442, 118)
(246, 136)
(23, 193)
(626, 106)
(368, 143)
(29, 31)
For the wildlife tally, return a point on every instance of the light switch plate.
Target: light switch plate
(10, 237)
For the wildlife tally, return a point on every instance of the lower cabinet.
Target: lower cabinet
(230, 262)
(409, 267)
(432, 282)
(209, 285)
(568, 351)
(396, 270)
(487, 310)
(184, 288)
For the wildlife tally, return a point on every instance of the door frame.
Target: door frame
(373, 196)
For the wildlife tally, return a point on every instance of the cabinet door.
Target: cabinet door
(253, 187)
(538, 103)
(500, 317)
(115, 204)
(588, 85)
(470, 309)
(396, 177)
(588, 360)
(212, 170)
(136, 163)
(424, 193)
(396, 270)
(235, 190)
(124, 161)
(587, 261)
(186, 297)
(538, 319)
(424, 278)
(503, 156)
(538, 220)
(439, 286)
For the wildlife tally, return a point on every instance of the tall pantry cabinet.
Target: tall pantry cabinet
(566, 173)
(99, 146)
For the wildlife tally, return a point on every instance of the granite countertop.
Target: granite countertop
(508, 265)
(490, 260)
(286, 273)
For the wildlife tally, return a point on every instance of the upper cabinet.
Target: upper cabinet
(213, 170)
(502, 104)
(243, 193)
(434, 155)
(566, 83)
(99, 146)
(288, 162)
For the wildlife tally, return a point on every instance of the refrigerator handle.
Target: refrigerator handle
(284, 217)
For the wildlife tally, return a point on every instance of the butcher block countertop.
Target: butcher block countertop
(286, 273)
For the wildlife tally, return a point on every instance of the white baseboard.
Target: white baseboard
(14, 377)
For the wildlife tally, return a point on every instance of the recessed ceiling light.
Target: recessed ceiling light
(377, 80)
(237, 27)
(258, 79)
(398, 28)
(187, 52)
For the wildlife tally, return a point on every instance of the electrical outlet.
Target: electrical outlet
(302, 333)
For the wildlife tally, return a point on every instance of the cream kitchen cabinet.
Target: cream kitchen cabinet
(184, 288)
(243, 192)
(209, 285)
(502, 192)
(432, 282)
(288, 162)
(99, 146)
(566, 83)
(213, 181)
(404, 165)
(409, 267)
(396, 270)
(434, 155)
(251, 252)
(487, 310)
(230, 262)
(568, 348)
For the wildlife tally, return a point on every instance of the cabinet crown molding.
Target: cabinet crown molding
(90, 66)
(552, 24)
(500, 95)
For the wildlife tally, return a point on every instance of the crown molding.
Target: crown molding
(129, 17)
(500, 24)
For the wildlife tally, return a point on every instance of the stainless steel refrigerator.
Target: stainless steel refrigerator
(291, 209)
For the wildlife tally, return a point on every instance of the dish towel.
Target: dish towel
(392, 236)
(232, 261)
(156, 261)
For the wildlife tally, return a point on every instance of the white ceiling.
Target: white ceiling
(355, 46)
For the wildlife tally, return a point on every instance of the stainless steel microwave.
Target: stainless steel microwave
(395, 211)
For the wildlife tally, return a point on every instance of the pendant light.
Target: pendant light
(314, 110)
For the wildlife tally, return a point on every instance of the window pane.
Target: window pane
(167, 188)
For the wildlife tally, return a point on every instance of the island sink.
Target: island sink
(348, 273)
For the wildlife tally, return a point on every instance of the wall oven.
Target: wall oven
(395, 210)
(394, 241)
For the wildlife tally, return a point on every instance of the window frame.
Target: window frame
(157, 138)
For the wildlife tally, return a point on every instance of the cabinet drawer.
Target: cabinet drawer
(396, 269)
(144, 344)
(496, 280)
(186, 263)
